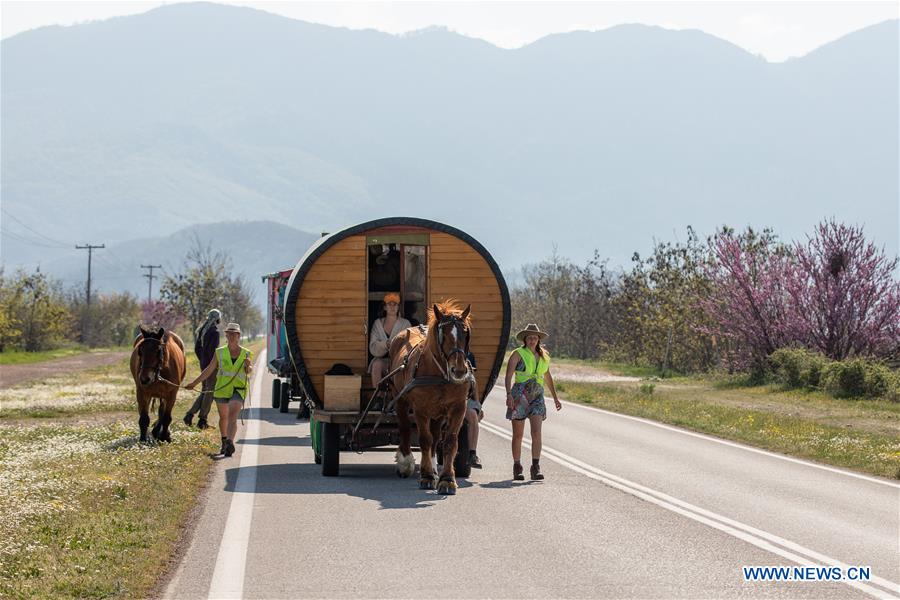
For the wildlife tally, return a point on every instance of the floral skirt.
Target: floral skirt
(524, 408)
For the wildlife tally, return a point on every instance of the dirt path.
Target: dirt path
(585, 374)
(11, 375)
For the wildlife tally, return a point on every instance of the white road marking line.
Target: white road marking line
(747, 533)
(731, 444)
(228, 577)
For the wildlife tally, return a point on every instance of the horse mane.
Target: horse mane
(447, 307)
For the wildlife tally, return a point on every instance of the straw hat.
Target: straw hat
(233, 327)
(392, 297)
(531, 329)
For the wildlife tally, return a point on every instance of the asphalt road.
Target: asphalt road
(629, 509)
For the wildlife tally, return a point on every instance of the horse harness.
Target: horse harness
(415, 381)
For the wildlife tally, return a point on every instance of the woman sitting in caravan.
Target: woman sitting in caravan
(383, 331)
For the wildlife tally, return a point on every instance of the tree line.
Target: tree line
(38, 313)
(727, 301)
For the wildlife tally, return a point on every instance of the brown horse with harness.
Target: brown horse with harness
(158, 367)
(432, 376)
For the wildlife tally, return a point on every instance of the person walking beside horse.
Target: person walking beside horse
(234, 365)
(529, 364)
(206, 340)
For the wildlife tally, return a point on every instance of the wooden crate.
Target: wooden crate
(342, 392)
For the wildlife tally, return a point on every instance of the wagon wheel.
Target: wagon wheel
(461, 462)
(285, 397)
(315, 438)
(331, 439)
(276, 393)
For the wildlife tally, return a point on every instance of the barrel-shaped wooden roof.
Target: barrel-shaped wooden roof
(459, 266)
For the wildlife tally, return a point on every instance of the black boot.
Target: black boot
(201, 423)
(224, 446)
(518, 474)
(536, 471)
(229, 448)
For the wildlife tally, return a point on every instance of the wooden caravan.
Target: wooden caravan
(335, 294)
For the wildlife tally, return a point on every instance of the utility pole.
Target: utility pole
(90, 248)
(150, 276)
(87, 313)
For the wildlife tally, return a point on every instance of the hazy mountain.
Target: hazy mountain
(255, 248)
(204, 113)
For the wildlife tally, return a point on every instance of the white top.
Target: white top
(379, 340)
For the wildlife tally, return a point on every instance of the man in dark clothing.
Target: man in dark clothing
(206, 341)
(474, 414)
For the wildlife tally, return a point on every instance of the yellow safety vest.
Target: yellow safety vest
(532, 370)
(231, 377)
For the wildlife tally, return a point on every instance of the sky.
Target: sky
(774, 30)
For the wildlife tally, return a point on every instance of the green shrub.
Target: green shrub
(797, 367)
(647, 388)
(861, 378)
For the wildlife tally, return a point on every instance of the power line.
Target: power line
(37, 233)
(20, 238)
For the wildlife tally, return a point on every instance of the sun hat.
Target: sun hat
(392, 297)
(233, 327)
(531, 329)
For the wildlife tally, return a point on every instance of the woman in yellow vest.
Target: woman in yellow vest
(529, 364)
(234, 364)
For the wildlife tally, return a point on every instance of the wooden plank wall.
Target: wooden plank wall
(457, 271)
(331, 311)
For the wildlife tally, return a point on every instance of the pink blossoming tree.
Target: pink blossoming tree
(159, 314)
(748, 303)
(845, 298)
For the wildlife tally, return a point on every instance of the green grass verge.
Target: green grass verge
(88, 511)
(109, 388)
(91, 513)
(101, 389)
(18, 357)
(623, 369)
(854, 434)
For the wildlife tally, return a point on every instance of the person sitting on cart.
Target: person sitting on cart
(388, 325)
(474, 414)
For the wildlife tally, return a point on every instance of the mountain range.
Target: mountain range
(254, 247)
(137, 127)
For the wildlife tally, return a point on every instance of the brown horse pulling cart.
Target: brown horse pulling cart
(333, 298)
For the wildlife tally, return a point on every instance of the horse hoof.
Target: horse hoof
(446, 488)
(426, 483)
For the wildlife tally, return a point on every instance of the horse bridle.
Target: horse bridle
(159, 362)
(460, 326)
